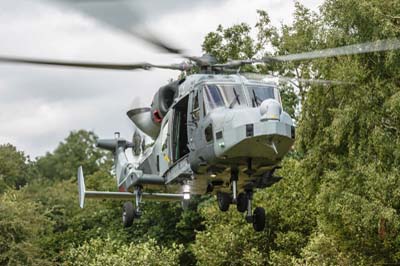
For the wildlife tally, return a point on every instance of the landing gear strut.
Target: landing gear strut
(225, 199)
(129, 212)
(258, 216)
(243, 201)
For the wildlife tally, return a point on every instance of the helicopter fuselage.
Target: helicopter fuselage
(217, 123)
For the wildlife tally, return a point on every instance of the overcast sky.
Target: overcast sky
(39, 106)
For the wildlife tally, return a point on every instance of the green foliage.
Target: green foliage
(230, 43)
(15, 168)
(112, 252)
(338, 203)
(78, 149)
(229, 240)
(21, 226)
(55, 225)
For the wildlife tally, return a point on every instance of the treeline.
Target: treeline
(338, 203)
(41, 223)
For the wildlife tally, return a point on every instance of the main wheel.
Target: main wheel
(128, 214)
(241, 202)
(185, 204)
(224, 199)
(259, 219)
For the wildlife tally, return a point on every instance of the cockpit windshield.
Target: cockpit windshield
(220, 95)
(259, 93)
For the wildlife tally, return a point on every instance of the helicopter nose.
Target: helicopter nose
(270, 109)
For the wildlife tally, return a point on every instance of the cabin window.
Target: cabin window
(208, 133)
(220, 95)
(259, 93)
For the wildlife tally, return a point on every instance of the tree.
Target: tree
(15, 168)
(112, 252)
(338, 203)
(21, 226)
(230, 43)
(79, 148)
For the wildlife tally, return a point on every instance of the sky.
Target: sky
(39, 106)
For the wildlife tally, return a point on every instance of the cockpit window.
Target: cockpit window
(228, 95)
(259, 93)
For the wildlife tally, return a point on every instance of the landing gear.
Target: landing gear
(129, 212)
(258, 216)
(259, 219)
(224, 200)
(241, 202)
(244, 202)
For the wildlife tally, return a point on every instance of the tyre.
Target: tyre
(185, 204)
(128, 214)
(224, 200)
(259, 219)
(241, 202)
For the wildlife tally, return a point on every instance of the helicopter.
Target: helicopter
(213, 131)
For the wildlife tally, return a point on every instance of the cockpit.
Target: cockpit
(234, 95)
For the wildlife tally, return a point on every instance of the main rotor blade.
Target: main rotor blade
(292, 79)
(238, 63)
(19, 60)
(313, 81)
(368, 47)
(91, 65)
(124, 16)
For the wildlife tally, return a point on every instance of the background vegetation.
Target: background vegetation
(338, 203)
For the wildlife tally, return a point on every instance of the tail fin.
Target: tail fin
(81, 187)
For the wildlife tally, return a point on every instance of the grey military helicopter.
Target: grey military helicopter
(214, 132)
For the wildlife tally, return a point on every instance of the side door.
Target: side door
(200, 131)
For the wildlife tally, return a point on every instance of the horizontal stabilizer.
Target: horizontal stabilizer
(119, 195)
